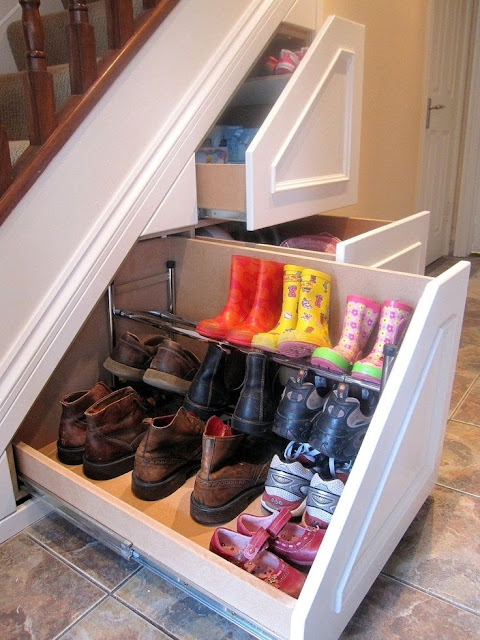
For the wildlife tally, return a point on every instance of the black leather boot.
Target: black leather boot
(255, 409)
(216, 383)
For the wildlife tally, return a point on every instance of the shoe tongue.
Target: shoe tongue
(215, 427)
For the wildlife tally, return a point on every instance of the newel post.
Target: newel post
(38, 82)
(81, 42)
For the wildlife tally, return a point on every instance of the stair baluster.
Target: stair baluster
(81, 42)
(6, 176)
(38, 82)
(120, 26)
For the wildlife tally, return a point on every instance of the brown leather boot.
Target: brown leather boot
(131, 356)
(172, 368)
(169, 453)
(73, 424)
(233, 471)
(114, 430)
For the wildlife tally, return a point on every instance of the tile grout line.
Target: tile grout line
(431, 594)
(81, 617)
(144, 616)
(461, 491)
(464, 397)
(77, 569)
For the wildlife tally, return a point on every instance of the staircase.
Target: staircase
(65, 62)
(112, 176)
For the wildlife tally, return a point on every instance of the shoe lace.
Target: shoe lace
(335, 467)
(295, 450)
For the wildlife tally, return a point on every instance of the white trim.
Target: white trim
(277, 186)
(7, 17)
(110, 226)
(469, 188)
(25, 515)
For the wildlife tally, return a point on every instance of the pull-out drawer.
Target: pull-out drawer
(304, 158)
(399, 246)
(393, 473)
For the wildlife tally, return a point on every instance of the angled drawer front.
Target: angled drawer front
(304, 158)
(398, 246)
(403, 440)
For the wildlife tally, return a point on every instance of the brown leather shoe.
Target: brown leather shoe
(233, 471)
(170, 452)
(73, 424)
(114, 430)
(131, 357)
(172, 368)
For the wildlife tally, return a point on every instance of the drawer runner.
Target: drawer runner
(125, 548)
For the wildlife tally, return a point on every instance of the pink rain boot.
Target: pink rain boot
(359, 320)
(394, 318)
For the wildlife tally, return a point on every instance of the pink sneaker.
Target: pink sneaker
(287, 62)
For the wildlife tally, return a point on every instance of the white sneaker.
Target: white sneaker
(287, 486)
(322, 499)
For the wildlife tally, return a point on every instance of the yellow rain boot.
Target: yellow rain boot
(313, 316)
(292, 276)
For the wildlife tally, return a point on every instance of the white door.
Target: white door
(447, 50)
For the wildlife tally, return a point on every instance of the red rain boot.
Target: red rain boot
(243, 284)
(266, 307)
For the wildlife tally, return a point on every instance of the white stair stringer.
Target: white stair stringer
(66, 238)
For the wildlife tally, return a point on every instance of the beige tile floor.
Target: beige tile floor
(58, 582)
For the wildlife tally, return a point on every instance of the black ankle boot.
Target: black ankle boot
(255, 409)
(216, 383)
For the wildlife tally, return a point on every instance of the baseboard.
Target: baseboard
(25, 515)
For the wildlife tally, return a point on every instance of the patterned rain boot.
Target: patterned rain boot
(292, 277)
(266, 307)
(394, 318)
(360, 318)
(243, 285)
(313, 315)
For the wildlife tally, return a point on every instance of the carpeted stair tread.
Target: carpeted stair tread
(17, 147)
(12, 103)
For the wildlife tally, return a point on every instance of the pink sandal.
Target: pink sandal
(294, 542)
(249, 553)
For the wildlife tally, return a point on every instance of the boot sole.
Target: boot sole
(107, 470)
(123, 370)
(70, 455)
(163, 488)
(226, 512)
(166, 381)
(251, 427)
(202, 412)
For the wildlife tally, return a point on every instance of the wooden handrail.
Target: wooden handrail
(34, 161)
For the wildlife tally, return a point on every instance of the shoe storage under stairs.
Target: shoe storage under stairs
(392, 476)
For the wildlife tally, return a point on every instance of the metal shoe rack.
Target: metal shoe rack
(172, 324)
